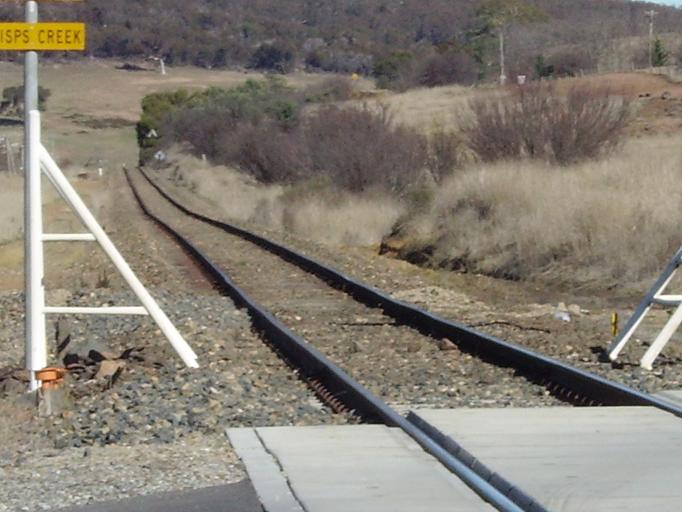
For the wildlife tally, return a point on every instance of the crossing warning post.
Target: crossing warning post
(32, 37)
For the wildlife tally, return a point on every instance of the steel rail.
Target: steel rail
(564, 380)
(313, 365)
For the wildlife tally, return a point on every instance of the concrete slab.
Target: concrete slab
(577, 459)
(357, 468)
(271, 485)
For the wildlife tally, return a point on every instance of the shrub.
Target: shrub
(536, 121)
(572, 61)
(543, 69)
(201, 118)
(257, 127)
(333, 89)
(273, 57)
(156, 109)
(267, 152)
(362, 149)
(659, 55)
(202, 128)
(339, 61)
(451, 67)
(394, 71)
(13, 97)
(443, 154)
(569, 61)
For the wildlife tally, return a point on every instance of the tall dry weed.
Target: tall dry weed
(611, 220)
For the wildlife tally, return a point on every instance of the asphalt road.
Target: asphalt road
(239, 497)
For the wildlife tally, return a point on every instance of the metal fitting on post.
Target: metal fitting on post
(51, 378)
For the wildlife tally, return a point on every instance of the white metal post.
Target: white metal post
(71, 196)
(36, 346)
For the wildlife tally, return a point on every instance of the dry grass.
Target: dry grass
(12, 211)
(349, 220)
(429, 108)
(96, 88)
(607, 221)
(314, 210)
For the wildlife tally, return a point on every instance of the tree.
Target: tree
(659, 55)
(273, 57)
(497, 15)
(13, 98)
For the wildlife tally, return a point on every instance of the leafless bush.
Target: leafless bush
(362, 148)
(203, 130)
(453, 67)
(267, 152)
(536, 121)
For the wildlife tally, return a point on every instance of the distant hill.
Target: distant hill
(344, 35)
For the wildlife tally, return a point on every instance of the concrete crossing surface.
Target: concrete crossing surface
(569, 459)
(342, 469)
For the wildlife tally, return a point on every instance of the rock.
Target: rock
(110, 370)
(574, 310)
(446, 345)
(101, 355)
(562, 315)
(413, 346)
(356, 347)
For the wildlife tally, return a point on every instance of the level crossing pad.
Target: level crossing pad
(348, 468)
(577, 459)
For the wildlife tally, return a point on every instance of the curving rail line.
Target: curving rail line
(570, 383)
(341, 391)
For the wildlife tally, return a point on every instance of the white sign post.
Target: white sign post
(36, 346)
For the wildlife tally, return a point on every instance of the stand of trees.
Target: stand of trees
(384, 37)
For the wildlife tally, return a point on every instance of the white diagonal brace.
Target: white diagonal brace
(662, 339)
(71, 196)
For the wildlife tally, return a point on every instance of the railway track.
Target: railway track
(285, 289)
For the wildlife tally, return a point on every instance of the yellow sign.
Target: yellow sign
(42, 36)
